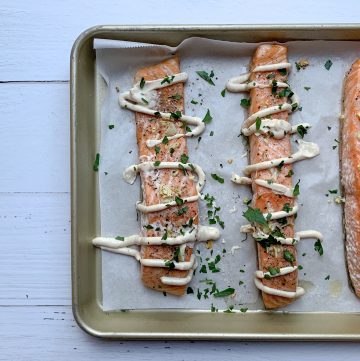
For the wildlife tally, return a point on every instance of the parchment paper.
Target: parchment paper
(117, 63)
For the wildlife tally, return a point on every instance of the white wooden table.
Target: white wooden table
(36, 321)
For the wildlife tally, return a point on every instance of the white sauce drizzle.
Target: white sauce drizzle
(275, 187)
(278, 128)
(142, 100)
(197, 233)
(282, 271)
(276, 292)
(131, 172)
(306, 150)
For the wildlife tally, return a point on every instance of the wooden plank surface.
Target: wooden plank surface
(36, 321)
(37, 36)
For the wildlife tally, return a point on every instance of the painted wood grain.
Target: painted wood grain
(36, 36)
(50, 333)
(35, 249)
(35, 137)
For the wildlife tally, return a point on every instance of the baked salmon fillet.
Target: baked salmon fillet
(163, 185)
(262, 148)
(350, 171)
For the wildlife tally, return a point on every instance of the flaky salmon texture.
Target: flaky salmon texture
(350, 171)
(171, 184)
(270, 173)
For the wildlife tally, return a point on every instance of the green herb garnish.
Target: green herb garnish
(253, 215)
(120, 238)
(217, 178)
(157, 163)
(208, 118)
(111, 126)
(157, 149)
(282, 71)
(182, 211)
(245, 103)
(318, 247)
(223, 93)
(206, 76)
(328, 64)
(258, 123)
(296, 190)
(176, 115)
(96, 162)
(194, 102)
(176, 97)
(288, 256)
(301, 130)
(227, 292)
(184, 158)
(142, 83)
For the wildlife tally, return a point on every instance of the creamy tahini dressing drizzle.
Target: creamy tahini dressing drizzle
(306, 150)
(278, 128)
(143, 100)
(197, 233)
(131, 172)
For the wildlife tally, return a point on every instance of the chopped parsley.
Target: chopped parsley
(168, 79)
(176, 97)
(287, 208)
(179, 201)
(296, 190)
(96, 162)
(208, 118)
(267, 242)
(274, 86)
(327, 277)
(318, 247)
(274, 271)
(282, 71)
(120, 238)
(211, 133)
(165, 236)
(301, 130)
(176, 115)
(144, 100)
(328, 64)
(111, 126)
(157, 163)
(223, 92)
(290, 173)
(149, 226)
(307, 88)
(203, 269)
(170, 264)
(217, 178)
(157, 149)
(206, 76)
(270, 76)
(189, 290)
(245, 103)
(286, 92)
(288, 256)
(227, 292)
(243, 309)
(280, 165)
(253, 215)
(184, 158)
(142, 83)
(194, 102)
(165, 140)
(182, 211)
(258, 123)
(333, 191)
